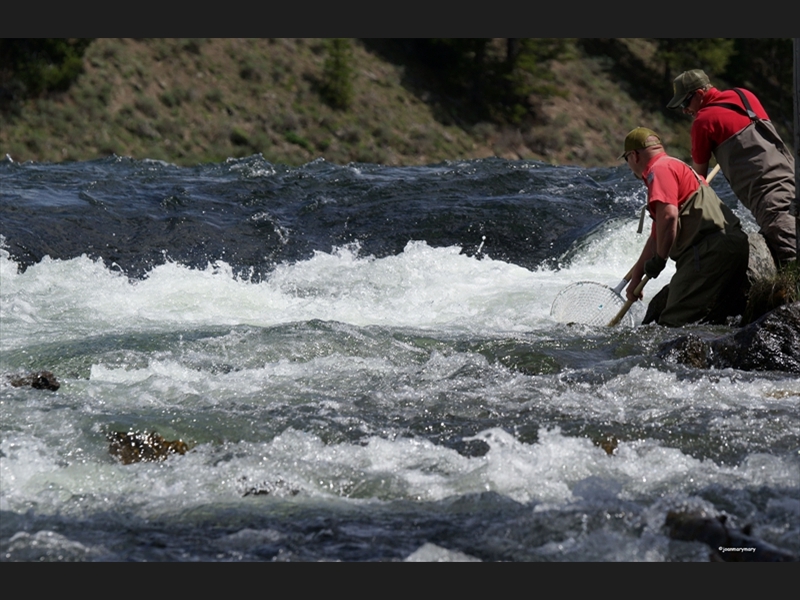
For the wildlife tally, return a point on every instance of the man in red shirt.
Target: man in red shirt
(734, 127)
(692, 226)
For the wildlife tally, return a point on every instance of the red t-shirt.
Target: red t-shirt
(668, 180)
(713, 125)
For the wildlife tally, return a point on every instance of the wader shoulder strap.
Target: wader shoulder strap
(702, 215)
(644, 208)
(745, 109)
(765, 129)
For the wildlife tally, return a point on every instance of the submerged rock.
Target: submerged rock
(41, 380)
(771, 343)
(728, 544)
(607, 442)
(266, 488)
(134, 446)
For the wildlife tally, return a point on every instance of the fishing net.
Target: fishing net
(592, 303)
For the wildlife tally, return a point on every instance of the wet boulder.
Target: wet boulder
(728, 544)
(40, 380)
(760, 264)
(771, 343)
(135, 446)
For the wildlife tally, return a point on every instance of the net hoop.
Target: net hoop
(592, 303)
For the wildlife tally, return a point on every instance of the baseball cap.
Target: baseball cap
(685, 83)
(637, 140)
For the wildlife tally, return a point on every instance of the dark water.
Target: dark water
(363, 364)
(253, 214)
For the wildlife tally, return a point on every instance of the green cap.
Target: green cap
(637, 140)
(685, 83)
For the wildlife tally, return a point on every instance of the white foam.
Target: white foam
(432, 553)
(421, 287)
(554, 471)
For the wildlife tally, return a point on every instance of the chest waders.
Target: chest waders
(760, 170)
(711, 254)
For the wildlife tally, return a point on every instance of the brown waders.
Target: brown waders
(760, 170)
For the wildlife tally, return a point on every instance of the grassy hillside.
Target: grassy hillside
(189, 101)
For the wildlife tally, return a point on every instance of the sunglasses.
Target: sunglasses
(688, 100)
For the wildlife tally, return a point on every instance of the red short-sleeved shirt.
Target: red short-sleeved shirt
(714, 124)
(668, 180)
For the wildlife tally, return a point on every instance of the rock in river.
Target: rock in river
(771, 343)
(135, 446)
(41, 380)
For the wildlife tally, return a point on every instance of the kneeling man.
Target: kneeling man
(693, 227)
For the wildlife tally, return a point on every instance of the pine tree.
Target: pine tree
(337, 86)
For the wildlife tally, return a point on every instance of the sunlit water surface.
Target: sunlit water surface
(363, 364)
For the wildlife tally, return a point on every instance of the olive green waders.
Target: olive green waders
(711, 253)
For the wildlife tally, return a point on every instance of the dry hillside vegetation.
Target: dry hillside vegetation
(189, 101)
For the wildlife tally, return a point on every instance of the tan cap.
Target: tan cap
(685, 83)
(637, 139)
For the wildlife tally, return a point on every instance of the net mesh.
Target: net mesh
(591, 303)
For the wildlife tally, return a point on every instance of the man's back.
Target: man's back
(715, 123)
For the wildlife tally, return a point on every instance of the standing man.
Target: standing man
(693, 227)
(734, 127)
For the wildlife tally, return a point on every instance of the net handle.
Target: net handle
(621, 285)
(628, 303)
